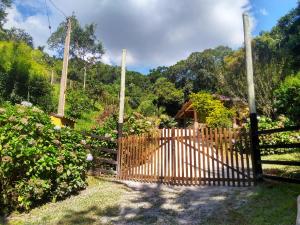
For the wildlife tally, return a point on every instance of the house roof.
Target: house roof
(186, 110)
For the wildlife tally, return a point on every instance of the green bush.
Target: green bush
(78, 103)
(212, 111)
(166, 122)
(39, 162)
(289, 137)
(287, 98)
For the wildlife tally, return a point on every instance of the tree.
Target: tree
(288, 98)
(85, 49)
(211, 111)
(24, 74)
(3, 5)
(18, 35)
(168, 96)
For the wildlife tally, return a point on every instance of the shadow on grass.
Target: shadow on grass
(155, 204)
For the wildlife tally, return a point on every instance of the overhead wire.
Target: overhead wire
(57, 8)
(47, 12)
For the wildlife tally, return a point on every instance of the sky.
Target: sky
(154, 32)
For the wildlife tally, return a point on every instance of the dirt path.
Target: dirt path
(162, 204)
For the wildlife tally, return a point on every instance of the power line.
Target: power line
(58, 9)
(47, 12)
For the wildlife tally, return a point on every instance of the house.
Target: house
(187, 113)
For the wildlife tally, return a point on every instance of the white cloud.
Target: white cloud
(263, 12)
(155, 32)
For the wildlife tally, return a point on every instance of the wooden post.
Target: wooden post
(122, 102)
(257, 168)
(63, 81)
(84, 77)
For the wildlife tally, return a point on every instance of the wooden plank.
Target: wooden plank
(178, 155)
(231, 154)
(195, 155)
(217, 144)
(277, 130)
(247, 144)
(203, 141)
(154, 155)
(165, 154)
(182, 155)
(212, 150)
(208, 155)
(105, 160)
(236, 157)
(281, 162)
(190, 156)
(241, 152)
(199, 155)
(222, 154)
(225, 131)
(173, 172)
(294, 145)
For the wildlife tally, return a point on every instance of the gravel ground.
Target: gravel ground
(163, 204)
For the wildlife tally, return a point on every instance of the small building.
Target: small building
(187, 113)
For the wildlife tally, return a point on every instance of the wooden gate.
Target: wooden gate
(187, 157)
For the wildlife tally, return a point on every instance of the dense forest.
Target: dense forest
(30, 73)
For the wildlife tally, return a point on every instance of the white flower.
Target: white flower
(89, 157)
(107, 135)
(57, 128)
(26, 104)
(83, 142)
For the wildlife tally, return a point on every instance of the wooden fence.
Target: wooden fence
(187, 157)
(295, 146)
(104, 159)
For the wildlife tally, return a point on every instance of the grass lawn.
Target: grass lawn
(100, 198)
(286, 171)
(268, 203)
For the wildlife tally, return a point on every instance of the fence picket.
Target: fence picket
(186, 156)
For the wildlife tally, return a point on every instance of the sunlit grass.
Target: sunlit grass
(100, 198)
(280, 170)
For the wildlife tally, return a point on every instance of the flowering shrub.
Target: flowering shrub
(39, 162)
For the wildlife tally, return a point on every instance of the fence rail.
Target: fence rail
(280, 145)
(187, 157)
(102, 165)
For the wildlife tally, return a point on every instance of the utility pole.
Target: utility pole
(63, 81)
(122, 94)
(256, 160)
(122, 104)
(84, 77)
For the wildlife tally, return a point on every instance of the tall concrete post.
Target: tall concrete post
(122, 94)
(63, 80)
(121, 108)
(256, 160)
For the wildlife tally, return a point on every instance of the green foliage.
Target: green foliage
(23, 75)
(265, 123)
(39, 162)
(3, 5)
(167, 95)
(78, 104)
(83, 41)
(212, 111)
(288, 98)
(136, 123)
(167, 122)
